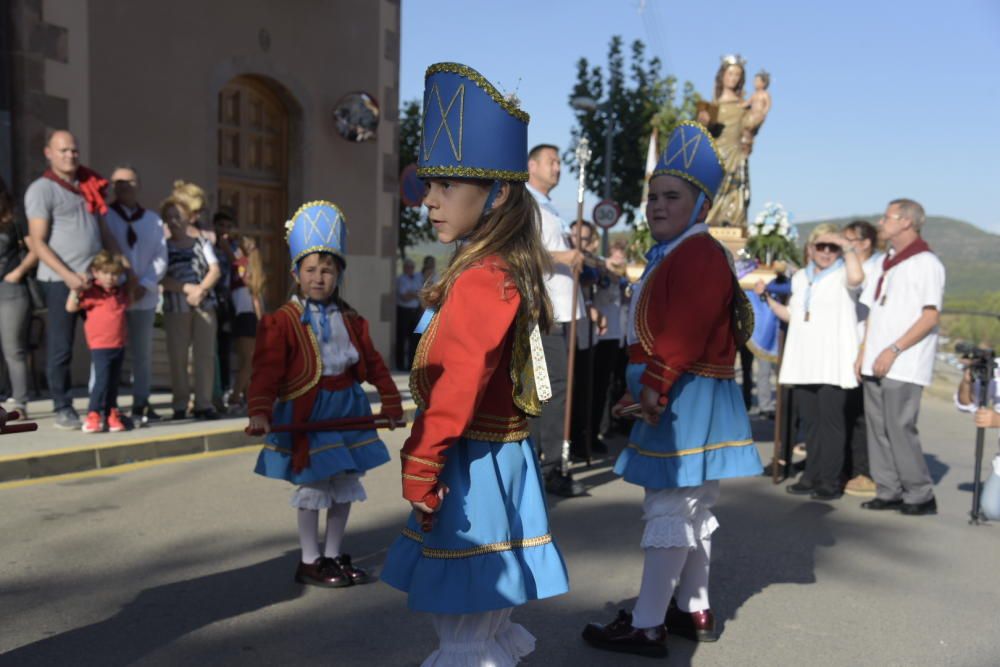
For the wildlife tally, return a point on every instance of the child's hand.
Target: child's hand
(653, 405)
(259, 425)
(987, 418)
(624, 401)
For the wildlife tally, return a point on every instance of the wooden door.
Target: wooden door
(253, 173)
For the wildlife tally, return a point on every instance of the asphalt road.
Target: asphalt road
(192, 563)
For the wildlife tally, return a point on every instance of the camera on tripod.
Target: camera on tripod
(982, 360)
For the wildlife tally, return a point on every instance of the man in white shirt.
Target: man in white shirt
(547, 431)
(897, 360)
(408, 286)
(139, 234)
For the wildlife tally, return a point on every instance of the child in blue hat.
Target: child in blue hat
(687, 318)
(310, 359)
(477, 543)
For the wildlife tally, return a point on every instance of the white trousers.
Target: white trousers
(485, 639)
(678, 544)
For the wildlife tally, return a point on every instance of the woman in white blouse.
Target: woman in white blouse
(820, 349)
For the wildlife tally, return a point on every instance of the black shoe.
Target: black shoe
(208, 414)
(800, 489)
(919, 509)
(179, 414)
(563, 485)
(826, 494)
(619, 635)
(143, 415)
(356, 574)
(880, 504)
(698, 626)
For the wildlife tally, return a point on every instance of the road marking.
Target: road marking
(126, 467)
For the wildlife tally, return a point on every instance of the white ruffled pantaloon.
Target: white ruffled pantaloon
(485, 639)
(678, 548)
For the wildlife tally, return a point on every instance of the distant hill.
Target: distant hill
(971, 256)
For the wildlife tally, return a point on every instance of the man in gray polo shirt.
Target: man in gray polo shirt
(63, 208)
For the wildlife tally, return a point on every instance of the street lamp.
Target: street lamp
(587, 103)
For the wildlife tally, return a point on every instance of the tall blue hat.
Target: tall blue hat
(691, 154)
(318, 226)
(470, 130)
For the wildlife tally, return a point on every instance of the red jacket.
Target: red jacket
(461, 375)
(684, 319)
(287, 366)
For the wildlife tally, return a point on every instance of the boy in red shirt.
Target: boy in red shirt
(104, 301)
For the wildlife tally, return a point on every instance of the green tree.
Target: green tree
(412, 228)
(637, 97)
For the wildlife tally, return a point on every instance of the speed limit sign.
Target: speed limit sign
(606, 214)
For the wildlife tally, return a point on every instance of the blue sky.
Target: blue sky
(872, 100)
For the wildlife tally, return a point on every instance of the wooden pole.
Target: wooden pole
(582, 158)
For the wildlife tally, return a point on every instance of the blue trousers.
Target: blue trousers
(107, 365)
(60, 330)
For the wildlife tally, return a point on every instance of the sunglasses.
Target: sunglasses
(827, 247)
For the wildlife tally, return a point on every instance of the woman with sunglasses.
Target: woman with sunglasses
(820, 349)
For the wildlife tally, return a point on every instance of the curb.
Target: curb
(19, 467)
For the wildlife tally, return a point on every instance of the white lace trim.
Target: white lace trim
(342, 488)
(665, 532)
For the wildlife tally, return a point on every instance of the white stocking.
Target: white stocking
(309, 535)
(660, 572)
(692, 592)
(336, 524)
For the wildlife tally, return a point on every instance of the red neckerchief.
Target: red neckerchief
(91, 187)
(909, 251)
(120, 210)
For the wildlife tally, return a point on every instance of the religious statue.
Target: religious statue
(734, 121)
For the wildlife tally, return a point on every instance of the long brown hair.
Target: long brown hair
(719, 85)
(510, 231)
(255, 278)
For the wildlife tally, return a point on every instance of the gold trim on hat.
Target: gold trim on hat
(472, 172)
(480, 80)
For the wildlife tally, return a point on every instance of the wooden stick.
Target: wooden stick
(583, 156)
(347, 424)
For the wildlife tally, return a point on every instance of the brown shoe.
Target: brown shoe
(861, 486)
(619, 635)
(698, 626)
(322, 572)
(356, 574)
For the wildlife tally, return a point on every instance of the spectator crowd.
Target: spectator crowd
(861, 324)
(120, 266)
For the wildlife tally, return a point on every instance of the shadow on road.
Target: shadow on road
(161, 615)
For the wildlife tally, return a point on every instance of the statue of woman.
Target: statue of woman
(733, 125)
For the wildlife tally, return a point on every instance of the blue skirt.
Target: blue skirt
(330, 452)
(490, 546)
(704, 434)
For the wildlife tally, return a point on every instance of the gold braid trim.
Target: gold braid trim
(494, 436)
(688, 452)
(418, 478)
(356, 445)
(420, 387)
(481, 82)
(482, 550)
(472, 172)
(426, 462)
(308, 342)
